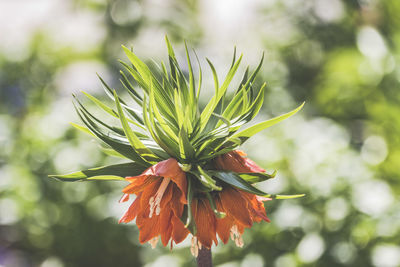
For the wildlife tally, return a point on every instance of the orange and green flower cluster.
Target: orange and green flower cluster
(183, 166)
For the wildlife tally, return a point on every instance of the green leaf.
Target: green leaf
(82, 128)
(192, 89)
(247, 133)
(255, 107)
(112, 152)
(137, 145)
(233, 106)
(200, 77)
(256, 177)
(116, 130)
(178, 108)
(186, 149)
(284, 196)
(159, 137)
(141, 67)
(136, 76)
(117, 144)
(209, 109)
(101, 104)
(215, 76)
(147, 78)
(164, 125)
(206, 179)
(138, 99)
(111, 172)
(209, 181)
(235, 180)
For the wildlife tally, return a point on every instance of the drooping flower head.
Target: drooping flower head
(161, 197)
(184, 170)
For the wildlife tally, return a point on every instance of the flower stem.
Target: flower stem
(204, 258)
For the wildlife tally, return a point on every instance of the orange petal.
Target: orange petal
(241, 153)
(139, 183)
(149, 192)
(252, 166)
(236, 206)
(205, 222)
(165, 225)
(170, 169)
(124, 198)
(240, 228)
(175, 203)
(132, 211)
(256, 206)
(234, 161)
(224, 225)
(148, 227)
(179, 232)
(167, 196)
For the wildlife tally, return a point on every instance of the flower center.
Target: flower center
(155, 200)
(236, 236)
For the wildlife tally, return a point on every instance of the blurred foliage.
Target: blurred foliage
(343, 151)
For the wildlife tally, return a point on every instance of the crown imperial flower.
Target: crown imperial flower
(183, 164)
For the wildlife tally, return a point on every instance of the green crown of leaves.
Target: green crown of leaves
(170, 122)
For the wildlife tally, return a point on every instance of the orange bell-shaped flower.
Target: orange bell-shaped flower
(241, 209)
(161, 196)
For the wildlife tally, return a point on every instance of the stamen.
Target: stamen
(152, 203)
(194, 249)
(239, 242)
(236, 236)
(155, 200)
(153, 242)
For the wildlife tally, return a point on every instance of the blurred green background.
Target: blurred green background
(342, 150)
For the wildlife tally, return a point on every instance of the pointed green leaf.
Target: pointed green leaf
(206, 179)
(101, 104)
(115, 143)
(235, 180)
(215, 76)
(137, 145)
(256, 177)
(112, 152)
(209, 109)
(82, 128)
(192, 89)
(284, 196)
(247, 133)
(111, 172)
(186, 149)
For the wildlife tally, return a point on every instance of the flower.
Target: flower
(182, 163)
(241, 209)
(236, 161)
(161, 196)
(161, 192)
